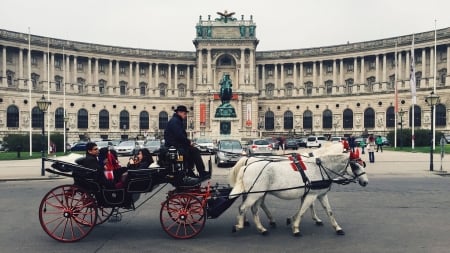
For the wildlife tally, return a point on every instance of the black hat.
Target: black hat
(181, 108)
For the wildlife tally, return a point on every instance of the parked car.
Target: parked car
(358, 141)
(4, 146)
(335, 139)
(152, 146)
(447, 138)
(79, 146)
(385, 141)
(301, 142)
(205, 145)
(228, 152)
(315, 141)
(127, 147)
(275, 143)
(102, 144)
(291, 144)
(259, 146)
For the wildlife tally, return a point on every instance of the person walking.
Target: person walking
(352, 143)
(362, 145)
(371, 148)
(379, 143)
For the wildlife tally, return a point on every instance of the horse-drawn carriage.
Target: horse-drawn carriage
(68, 213)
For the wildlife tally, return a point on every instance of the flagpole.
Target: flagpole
(64, 99)
(30, 83)
(412, 84)
(48, 96)
(396, 97)
(434, 87)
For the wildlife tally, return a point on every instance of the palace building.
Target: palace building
(103, 91)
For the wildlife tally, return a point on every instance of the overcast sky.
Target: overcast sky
(170, 24)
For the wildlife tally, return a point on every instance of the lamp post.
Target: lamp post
(66, 120)
(432, 100)
(401, 113)
(43, 106)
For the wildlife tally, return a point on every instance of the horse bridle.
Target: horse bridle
(345, 177)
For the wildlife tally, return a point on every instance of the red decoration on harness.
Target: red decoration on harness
(354, 155)
(110, 165)
(346, 145)
(300, 161)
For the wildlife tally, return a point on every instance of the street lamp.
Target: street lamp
(401, 113)
(66, 120)
(43, 105)
(432, 100)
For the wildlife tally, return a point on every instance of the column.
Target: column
(95, 81)
(208, 66)
(75, 67)
(295, 75)
(150, 75)
(257, 84)
(431, 67)
(175, 84)
(252, 64)
(110, 78)
(334, 72)
(89, 79)
(194, 77)
(407, 66)
(20, 84)
(188, 78)
(52, 71)
(384, 77)
(314, 75)
(301, 74)
(200, 64)
(355, 71)
(447, 79)
(363, 76)
(4, 80)
(263, 80)
(399, 67)
(276, 77)
(157, 76)
(130, 77)
(169, 77)
(377, 69)
(242, 67)
(66, 71)
(137, 72)
(117, 79)
(320, 74)
(341, 72)
(424, 66)
(282, 77)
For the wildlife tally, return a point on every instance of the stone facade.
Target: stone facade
(108, 91)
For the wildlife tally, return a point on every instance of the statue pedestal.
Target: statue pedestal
(225, 110)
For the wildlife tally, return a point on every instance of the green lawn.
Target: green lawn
(420, 149)
(24, 155)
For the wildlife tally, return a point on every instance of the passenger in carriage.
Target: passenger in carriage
(142, 160)
(175, 135)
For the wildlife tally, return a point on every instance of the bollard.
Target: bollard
(19, 149)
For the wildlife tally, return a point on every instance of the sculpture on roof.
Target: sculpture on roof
(225, 16)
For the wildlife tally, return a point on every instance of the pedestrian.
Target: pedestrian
(280, 143)
(352, 143)
(379, 143)
(371, 148)
(362, 145)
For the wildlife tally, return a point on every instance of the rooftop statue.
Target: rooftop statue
(225, 16)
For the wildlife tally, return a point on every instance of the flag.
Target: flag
(412, 78)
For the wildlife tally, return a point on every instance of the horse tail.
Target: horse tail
(236, 178)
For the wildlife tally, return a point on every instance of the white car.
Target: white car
(127, 147)
(315, 141)
(205, 145)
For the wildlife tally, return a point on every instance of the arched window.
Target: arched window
(124, 120)
(143, 120)
(59, 118)
(347, 117)
(12, 116)
(307, 120)
(417, 116)
(327, 119)
(163, 119)
(36, 117)
(369, 118)
(288, 120)
(390, 117)
(103, 119)
(269, 118)
(82, 118)
(441, 117)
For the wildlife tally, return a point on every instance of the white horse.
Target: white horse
(292, 178)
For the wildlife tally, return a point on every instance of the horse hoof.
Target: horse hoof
(319, 223)
(298, 234)
(273, 224)
(288, 221)
(340, 232)
(246, 224)
(265, 233)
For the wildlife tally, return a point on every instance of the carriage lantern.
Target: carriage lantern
(172, 154)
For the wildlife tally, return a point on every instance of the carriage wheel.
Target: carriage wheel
(103, 214)
(182, 216)
(68, 213)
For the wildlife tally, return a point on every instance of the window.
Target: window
(162, 90)
(82, 119)
(418, 59)
(34, 61)
(289, 88)
(289, 71)
(59, 118)
(162, 72)
(142, 70)
(81, 82)
(369, 118)
(12, 116)
(308, 88)
(58, 83)
(329, 87)
(327, 119)
(142, 89)
(34, 80)
(10, 78)
(122, 69)
(349, 84)
(441, 117)
(101, 68)
(370, 83)
(124, 120)
(36, 117)
(144, 120)
(308, 70)
(288, 122)
(372, 65)
(417, 116)
(269, 120)
(347, 117)
(58, 63)
(181, 72)
(123, 88)
(350, 67)
(269, 72)
(441, 77)
(163, 118)
(103, 119)
(418, 79)
(391, 83)
(269, 90)
(102, 86)
(307, 120)
(79, 66)
(329, 68)
(390, 117)
(181, 90)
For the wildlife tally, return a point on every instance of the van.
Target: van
(315, 141)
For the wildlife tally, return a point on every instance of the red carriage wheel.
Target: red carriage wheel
(182, 216)
(68, 213)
